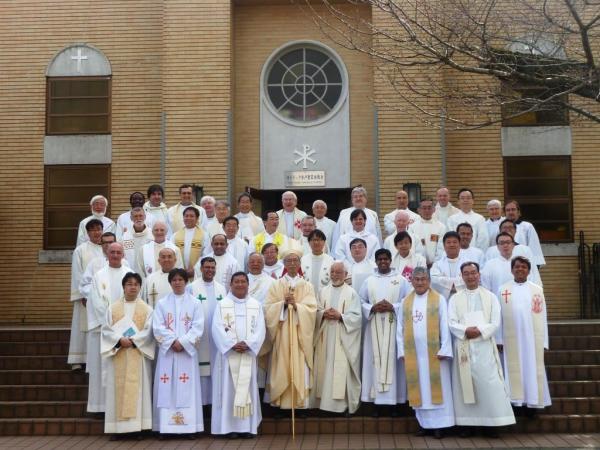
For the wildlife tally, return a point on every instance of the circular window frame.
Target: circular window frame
(295, 45)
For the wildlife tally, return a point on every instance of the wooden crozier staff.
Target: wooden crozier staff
(290, 330)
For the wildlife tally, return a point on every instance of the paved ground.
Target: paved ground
(307, 442)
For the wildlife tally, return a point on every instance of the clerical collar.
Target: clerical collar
(392, 272)
(115, 268)
(453, 259)
(520, 283)
(472, 291)
(237, 299)
(317, 256)
(178, 296)
(130, 301)
(208, 282)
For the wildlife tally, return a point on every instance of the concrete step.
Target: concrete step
(573, 372)
(574, 405)
(51, 427)
(574, 388)
(575, 342)
(49, 410)
(51, 392)
(34, 363)
(574, 328)
(34, 334)
(34, 348)
(23, 377)
(572, 357)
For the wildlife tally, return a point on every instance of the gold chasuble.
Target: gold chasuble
(128, 363)
(433, 347)
(196, 247)
(284, 353)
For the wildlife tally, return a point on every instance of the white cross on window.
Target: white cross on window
(79, 58)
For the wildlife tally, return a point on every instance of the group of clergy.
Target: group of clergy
(178, 308)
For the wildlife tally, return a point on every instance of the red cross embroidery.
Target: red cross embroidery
(169, 321)
(537, 304)
(505, 295)
(183, 377)
(164, 378)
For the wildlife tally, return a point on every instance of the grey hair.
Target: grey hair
(137, 209)
(360, 190)
(222, 202)
(256, 254)
(316, 202)
(207, 198)
(494, 202)
(289, 192)
(421, 270)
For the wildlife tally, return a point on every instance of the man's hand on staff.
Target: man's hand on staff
(290, 300)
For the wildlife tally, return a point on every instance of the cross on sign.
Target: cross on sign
(79, 58)
(505, 295)
(164, 378)
(183, 377)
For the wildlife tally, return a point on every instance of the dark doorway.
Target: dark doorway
(336, 199)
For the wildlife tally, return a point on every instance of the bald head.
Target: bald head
(256, 263)
(442, 196)
(115, 254)
(167, 259)
(401, 199)
(159, 231)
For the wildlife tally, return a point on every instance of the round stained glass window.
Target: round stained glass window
(304, 84)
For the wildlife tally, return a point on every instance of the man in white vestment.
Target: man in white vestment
(250, 224)
(125, 220)
(401, 222)
(497, 271)
(208, 203)
(82, 256)
(273, 265)
(526, 234)
(405, 260)
(149, 254)
(175, 212)
(344, 223)
(97, 263)
(178, 324)
(494, 210)
(238, 332)
(192, 240)
(98, 206)
(308, 225)
(270, 235)
(290, 312)
(209, 292)
(358, 266)
(236, 246)
(389, 221)
(324, 223)
(155, 207)
(316, 263)
(106, 289)
(445, 273)
(290, 217)
(222, 211)
(227, 265)
(156, 285)
(337, 346)
(425, 345)
(443, 208)
(467, 251)
(429, 231)
(524, 339)
(383, 381)
(478, 391)
(135, 238)
(358, 218)
(466, 214)
(128, 347)
(508, 226)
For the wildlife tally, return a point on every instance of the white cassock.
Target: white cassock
(337, 351)
(405, 265)
(290, 223)
(238, 248)
(124, 224)
(177, 392)
(236, 402)
(472, 254)
(442, 213)
(388, 220)
(527, 235)
(209, 294)
(430, 415)
(315, 269)
(259, 286)
(149, 256)
(497, 272)
(214, 227)
(383, 380)
(342, 246)
(106, 289)
(430, 233)
(416, 244)
(527, 313)
(82, 256)
(158, 213)
(358, 272)
(481, 239)
(479, 394)
(250, 225)
(85, 285)
(155, 287)
(446, 277)
(277, 238)
(227, 265)
(326, 225)
(275, 271)
(303, 241)
(128, 412)
(518, 250)
(493, 227)
(175, 214)
(107, 226)
(344, 225)
(133, 243)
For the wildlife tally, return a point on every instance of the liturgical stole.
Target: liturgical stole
(196, 247)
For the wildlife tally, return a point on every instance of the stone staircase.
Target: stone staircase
(40, 395)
